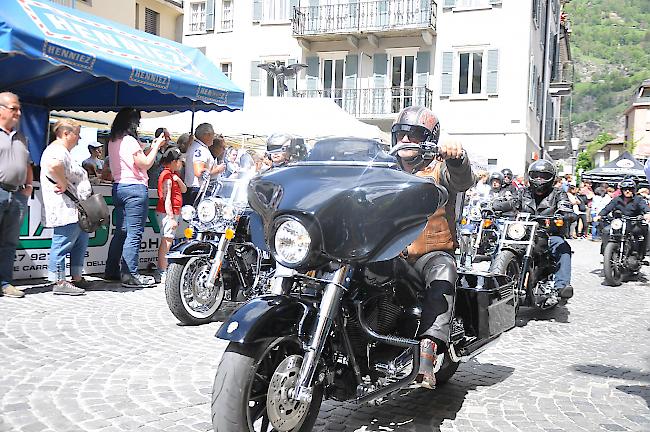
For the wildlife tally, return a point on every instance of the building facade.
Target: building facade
(486, 67)
(637, 121)
(160, 17)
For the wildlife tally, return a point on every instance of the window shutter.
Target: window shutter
(379, 69)
(255, 78)
(531, 84)
(382, 13)
(493, 72)
(312, 73)
(291, 82)
(257, 10)
(350, 85)
(313, 16)
(446, 75)
(449, 3)
(422, 68)
(209, 15)
(292, 4)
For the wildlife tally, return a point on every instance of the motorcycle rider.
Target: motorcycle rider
(432, 253)
(284, 148)
(542, 199)
(501, 199)
(508, 184)
(629, 204)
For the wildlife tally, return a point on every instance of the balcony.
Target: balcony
(558, 139)
(374, 102)
(562, 79)
(377, 17)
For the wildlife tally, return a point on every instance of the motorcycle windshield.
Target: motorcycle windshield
(364, 211)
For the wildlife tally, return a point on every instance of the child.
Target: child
(170, 201)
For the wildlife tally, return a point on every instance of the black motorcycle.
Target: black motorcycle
(217, 260)
(625, 251)
(342, 319)
(525, 256)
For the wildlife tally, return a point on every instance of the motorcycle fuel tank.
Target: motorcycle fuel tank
(362, 212)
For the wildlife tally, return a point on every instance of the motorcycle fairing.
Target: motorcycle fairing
(191, 248)
(268, 316)
(362, 213)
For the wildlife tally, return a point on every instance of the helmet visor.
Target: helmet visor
(542, 175)
(416, 134)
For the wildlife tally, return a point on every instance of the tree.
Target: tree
(601, 141)
(583, 163)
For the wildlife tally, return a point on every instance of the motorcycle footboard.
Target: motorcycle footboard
(485, 302)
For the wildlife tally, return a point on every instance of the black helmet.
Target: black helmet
(507, 172)
(495, 176)
(294, 147)
(627, 183)
(423, 129)
(541, 175)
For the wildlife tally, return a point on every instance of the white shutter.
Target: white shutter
(446, 77)
(493, 72)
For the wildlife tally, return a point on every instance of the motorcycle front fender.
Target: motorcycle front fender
(265, 317)
(191, 248)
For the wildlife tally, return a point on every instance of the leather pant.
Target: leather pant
(438, 270)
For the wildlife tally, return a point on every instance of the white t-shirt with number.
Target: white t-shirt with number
(198, 152)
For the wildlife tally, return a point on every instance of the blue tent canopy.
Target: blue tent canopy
(57, 58)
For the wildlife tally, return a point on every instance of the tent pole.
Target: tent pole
(192, 123)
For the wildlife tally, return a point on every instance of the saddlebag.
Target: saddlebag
(485, 303)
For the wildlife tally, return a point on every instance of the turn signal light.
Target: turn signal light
(559, 222)
(487, 223)
(188, 233)
(230, 233)
(463, 221)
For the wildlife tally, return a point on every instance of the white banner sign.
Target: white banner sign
(33, 250)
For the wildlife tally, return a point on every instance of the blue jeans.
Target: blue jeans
(561, 252)
(13, 207)
(594, 226)
(67, 239)
(131, 208)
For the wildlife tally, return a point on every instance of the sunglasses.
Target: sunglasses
(415, 134)
(541, 175)
(627, 190)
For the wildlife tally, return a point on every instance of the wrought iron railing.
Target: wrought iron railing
(563, 72)
(364, 16)
(559, 129)
(373, 102)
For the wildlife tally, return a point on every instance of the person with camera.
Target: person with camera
(414, 133)
(200, 164)
(58, 174)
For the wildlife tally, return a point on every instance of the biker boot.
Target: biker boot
(426, 376)
(566, 292)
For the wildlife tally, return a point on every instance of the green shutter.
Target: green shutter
(209, 15)
(446, 76)
(422, 67)
(350, 85)
(312, 73)
(493, 72)
(257, 10)
(255, 78)
(379, 69)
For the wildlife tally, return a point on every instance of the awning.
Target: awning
(614, 171)
(64, 59)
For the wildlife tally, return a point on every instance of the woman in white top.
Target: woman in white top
(58, 174)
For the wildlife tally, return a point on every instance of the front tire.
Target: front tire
(612, 268)
(188, 297)
(247, 375)
(507, 263)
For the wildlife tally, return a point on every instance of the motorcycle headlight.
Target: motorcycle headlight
(617, 224)
(292, 242)
(207, 211)
(188, 213)
(516, 231)
(228, 212)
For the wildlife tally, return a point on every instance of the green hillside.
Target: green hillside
(610, 45)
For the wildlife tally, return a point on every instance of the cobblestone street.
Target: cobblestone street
(116, 360)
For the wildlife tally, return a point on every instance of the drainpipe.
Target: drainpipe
(545, 71)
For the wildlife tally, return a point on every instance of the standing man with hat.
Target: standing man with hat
(15, 187)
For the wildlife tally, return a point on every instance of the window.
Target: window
(472, 4)
(226, 15)
(276, 11)
(492, 162)
(470, 75)
(226, 68)
(402, 72)
(197, 17)
(151, 21)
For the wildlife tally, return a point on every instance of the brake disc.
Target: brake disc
(285, 413)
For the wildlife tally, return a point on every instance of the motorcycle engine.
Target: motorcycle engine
(381, 313)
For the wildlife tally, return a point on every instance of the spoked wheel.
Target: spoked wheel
(188, 296)
(253, 387)
(612, 266)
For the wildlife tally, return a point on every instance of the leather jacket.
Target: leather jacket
(547, 206)
(637, 206)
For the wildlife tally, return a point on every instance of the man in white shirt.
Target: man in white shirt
(199, 163)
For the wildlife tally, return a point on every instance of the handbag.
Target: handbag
(93, 211)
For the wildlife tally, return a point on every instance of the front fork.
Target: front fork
(217, 262)
(327, 312)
